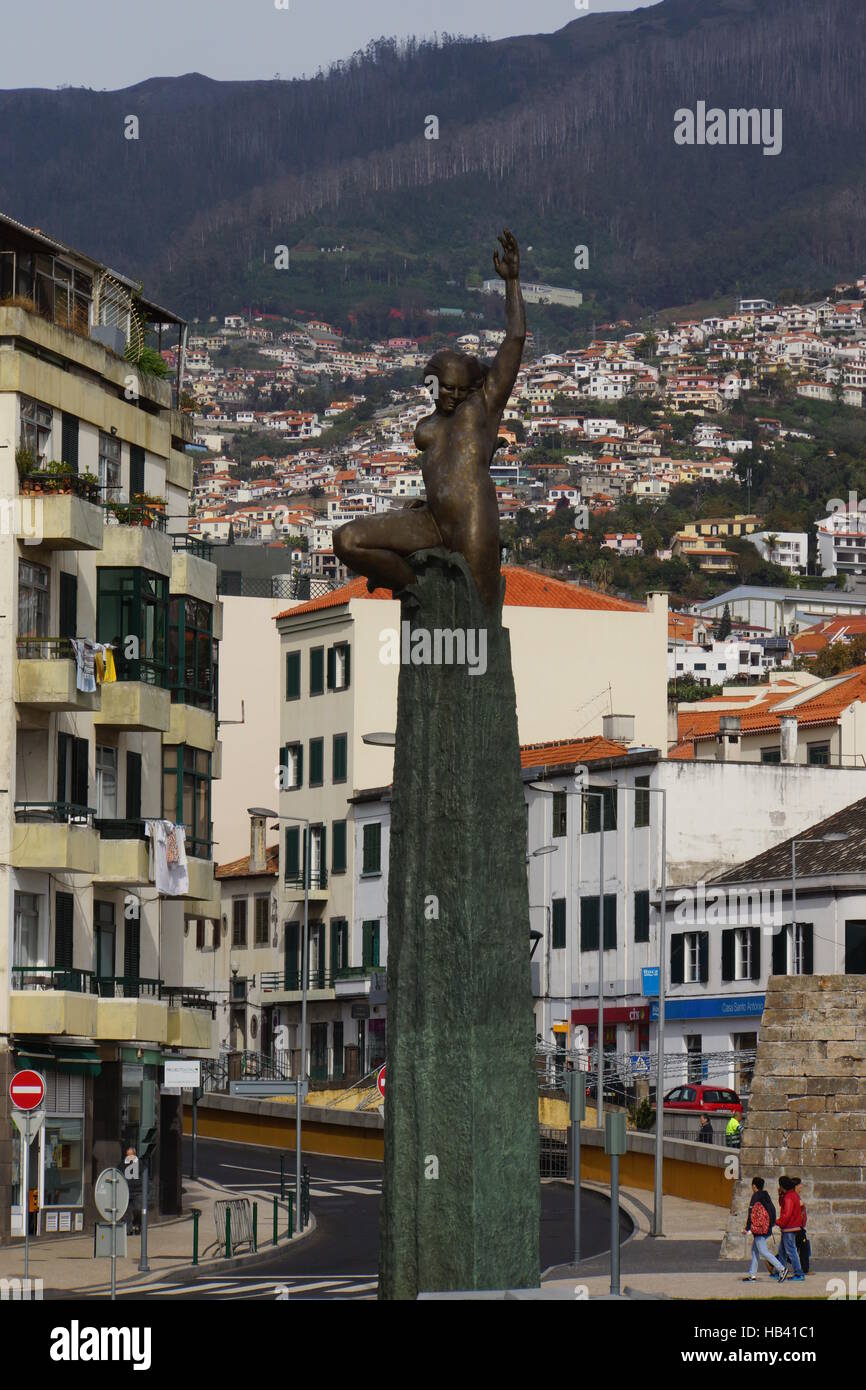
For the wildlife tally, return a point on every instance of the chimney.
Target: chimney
(728, 741)
(788, 738)
(258, 853)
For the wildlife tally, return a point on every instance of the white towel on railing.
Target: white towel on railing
(168, 866)
(85, 673)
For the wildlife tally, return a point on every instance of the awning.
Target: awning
(83, 1060)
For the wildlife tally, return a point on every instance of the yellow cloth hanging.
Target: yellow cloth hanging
(110, 671)
(98, 667)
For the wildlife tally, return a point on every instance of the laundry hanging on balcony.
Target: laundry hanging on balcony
(168, 866)
(103, 661)
(94, 664)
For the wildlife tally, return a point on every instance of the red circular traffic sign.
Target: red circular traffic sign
(27, 1090)
(380, 1082)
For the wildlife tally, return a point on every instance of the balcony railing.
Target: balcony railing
(128, 987)
(202, 549)
(113, 829)
(292, 979)
(357, 972)
(41, 482)
(179, 997)
(45, 649)
(133, 514)
(54, 812)
(30, 977)
(318, 879)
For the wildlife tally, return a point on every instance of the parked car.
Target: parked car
(701, 1098)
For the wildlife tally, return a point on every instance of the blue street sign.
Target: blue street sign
(650, 978)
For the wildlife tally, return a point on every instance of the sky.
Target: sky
(116, 43)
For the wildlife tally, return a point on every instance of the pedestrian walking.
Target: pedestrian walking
(790, 1224)
(804, 1245)
(760, 1221)
(705, 1133)
(733, 1132)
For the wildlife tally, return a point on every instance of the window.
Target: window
(133, 786)
(26, 933)
(855, 948)
(818, 754)
(133, 603)
(186, 794)
(136, 471)
(372, 857)
(338, 666)
(292, 760)
(33, 599)
(317, 670)
(557, 924)
(641, 802)
(317, 761)
(741, 954)
(68, 624)
(690, 958)
(239, 921)
(592, 804)
(292, 855)
(370, 943)
(560, 815)
(641, 915)
(293, 675)
(191, 652)
(36, 420)
(339, 945)
(72, 770)
(106, 782)
(589, 922)
(64, 1160)
(340, 759)
(109, 463)
(338, 841)
(263, 918)
(771, 755)
(793, 950)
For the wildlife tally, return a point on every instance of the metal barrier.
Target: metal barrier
(553, 1152)
(234, 1225)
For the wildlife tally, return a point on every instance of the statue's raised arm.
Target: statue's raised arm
(506, 364)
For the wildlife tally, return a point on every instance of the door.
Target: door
(319, 1051)
(68, 605)
(338, 1049)
(104, 932)
(291, 975)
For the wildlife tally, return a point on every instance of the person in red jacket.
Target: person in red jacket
(789, 1223)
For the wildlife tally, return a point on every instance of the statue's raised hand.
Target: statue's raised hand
(508, 264)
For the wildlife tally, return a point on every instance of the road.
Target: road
(339, 1260)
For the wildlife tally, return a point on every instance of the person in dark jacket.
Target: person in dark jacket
(760, 1221)
(705, 1133)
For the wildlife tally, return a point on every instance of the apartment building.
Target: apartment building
(94, 482)
(339, 671)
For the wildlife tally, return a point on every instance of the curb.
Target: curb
(212, 1266)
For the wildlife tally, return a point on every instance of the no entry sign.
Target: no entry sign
(380, 1082)
(27, 1090)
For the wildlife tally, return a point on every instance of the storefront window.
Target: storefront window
(64, 1168)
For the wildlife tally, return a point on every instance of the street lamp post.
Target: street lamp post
(302, 1061)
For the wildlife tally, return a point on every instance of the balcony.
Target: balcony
(46, 677)
(54, 836)
(51, 1000)
(360, 981)
(201, 883)
(123, 854)
(135, 705)
(135, 538)
(193, 573)
(286, 985)
(60, 511)
(293, 887)
(193, 726)
(191, 1018)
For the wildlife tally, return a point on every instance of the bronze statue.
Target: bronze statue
(458, 441)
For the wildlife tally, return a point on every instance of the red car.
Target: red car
(701, 1097)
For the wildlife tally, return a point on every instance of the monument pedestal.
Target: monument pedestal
(461, 1194)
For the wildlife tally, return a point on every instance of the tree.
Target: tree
(725, 624)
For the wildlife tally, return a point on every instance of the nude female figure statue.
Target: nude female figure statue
(458, 442)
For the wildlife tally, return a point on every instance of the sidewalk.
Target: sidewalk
(685, 1263)
(67, 1262)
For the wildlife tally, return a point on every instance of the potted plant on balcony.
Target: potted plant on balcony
(90, 485)
(148, 503)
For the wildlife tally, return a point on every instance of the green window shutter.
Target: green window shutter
(63, 930)
(589, 924)
(371, 943)
(62, 751)
(293, 675)
(292, 867)
(132, 948)
(372, 848)
(68, 605)
(317, 671)
(641, 915)
(332, 668)
(557, 924)
(703, 957)
(348, 668)
(728, 938)
(779, 963)
(340, 758)
(808, 948)
(69, 441)
(291, 978)
(755, 952)
(610, 921)
(300, 781)
(317, 761)
(338, 850)
(136, 470)
(80, 781)
(677, 959)
(323, 858)
(133, 786)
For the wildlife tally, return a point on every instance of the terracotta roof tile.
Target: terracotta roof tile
(240, 868)
(567, 751)
(824, 708)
